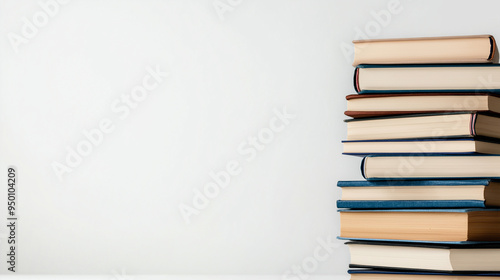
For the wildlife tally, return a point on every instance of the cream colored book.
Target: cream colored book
(425, 256)
(457, 49)
(422, 146)
(373, 105)
(431, 166)
(424, 126)
(427, 78)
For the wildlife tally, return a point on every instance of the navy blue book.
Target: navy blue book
(475, 259)
(405, 194)
(427, 78)
(370, 274)
(434, 225)
(430, 166)
(447, 243)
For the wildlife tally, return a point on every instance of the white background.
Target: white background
(117, 213)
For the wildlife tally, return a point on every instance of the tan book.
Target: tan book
(466, 145)
(424, 126)
(457, 49)
(470, 258)
(441, 225)
(427, 166)
(373, 105)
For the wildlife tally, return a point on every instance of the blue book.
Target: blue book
(417, 242)
(394, 274)
(413, 257)
(405, 194)
(430, 166)
(427, 78)
(409, 204)
(361, 274)
(403, 183)
(434, 225)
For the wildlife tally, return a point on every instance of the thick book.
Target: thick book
(425, 257)
(408, 274)
(457, 49)
(457, 124)
(427, 78)
(422, 224)
(373, 105)
(419, 194)
(376, 167)
(468, 145)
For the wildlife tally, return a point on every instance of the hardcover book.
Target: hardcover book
(373, 274)
(422, 224)
(419, 194)
(373, 105)
(427, 78)
(425, 257)
(458, 49)
(468, 145)
(376, 167)
(458, 124)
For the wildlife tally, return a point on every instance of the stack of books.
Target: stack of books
(426, 119)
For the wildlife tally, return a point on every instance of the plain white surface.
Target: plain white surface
(119, 209)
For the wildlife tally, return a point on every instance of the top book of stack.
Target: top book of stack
(435, 50)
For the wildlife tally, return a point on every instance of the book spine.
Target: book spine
(473, 119)
(409, 204)
(356, 80)
(406, 183)
(493, 49)
(363, 162)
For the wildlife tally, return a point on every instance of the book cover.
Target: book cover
(409, 204)
(362, 183)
